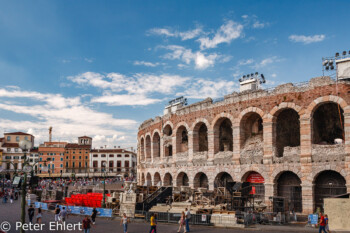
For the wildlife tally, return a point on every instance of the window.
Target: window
(126, 164)
(79, 152)
(8, 149)
(17, 138)
(16, 149)
(26, 137)
(48, 159)
(61, 159)
(79, 157)
(66, 164)
(86, 157)
(103, 156)
(86, 164)
(119, 156)
(7, 157)
(73, 152)
(86, 152)
(111, 156)
(49, 166)
(8, 138)
(40, 165)
(95, 156)
(73, 164)
(127, 156)
(73, 157)
(61, 166)
(41, 159)
(79, 164)
(53, 166)
(66, 157)
(53, 159)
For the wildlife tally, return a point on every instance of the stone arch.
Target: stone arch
(223, 133)
(200, 137)
(156, 145)
(201, 180)
(251, 131)
(148, 179)
(328, 183)
(288, 185)
(157, 180)
(284, 105)
(142, 148)
(181, 132)
(221, 179)
(148, 146)
(326, 99)
(280, 169)
(319, 169)
(182, 179)
(286, 129)
(168, 179)
(245, 172)
(143, 179)
(257, 180)
(168, 129)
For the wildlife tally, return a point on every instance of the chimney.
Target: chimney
(50, 133)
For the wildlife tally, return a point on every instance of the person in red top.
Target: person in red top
(322, 224)
(86, 224)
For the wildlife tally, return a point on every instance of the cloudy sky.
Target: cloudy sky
(100, 68)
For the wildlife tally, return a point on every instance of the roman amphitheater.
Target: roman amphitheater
(291, 141)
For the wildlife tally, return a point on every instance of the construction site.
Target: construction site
(276, 152)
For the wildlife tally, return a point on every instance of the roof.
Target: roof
(75, 145)
(111, 151)
(2, 139)
(85, 137)
(34, 150)
(10, 145)
(17, 133)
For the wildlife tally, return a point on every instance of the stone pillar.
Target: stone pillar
(268, 137)
(305, 139)
(269, 192)
(174, 149)
(152, 150)
(161, 147)
(347, 133)
(190, 146)
(307, 198)
(210, 145)
(236, 144)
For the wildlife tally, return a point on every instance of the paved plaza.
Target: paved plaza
(11, 214)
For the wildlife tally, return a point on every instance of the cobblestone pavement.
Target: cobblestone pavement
(11, 214)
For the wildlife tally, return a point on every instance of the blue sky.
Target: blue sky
(103, 67)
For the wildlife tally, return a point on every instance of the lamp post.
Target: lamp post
(3, 178)
(104, 186)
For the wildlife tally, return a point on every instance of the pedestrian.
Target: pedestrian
(57, 213)
(153, 224)
(322, 224)
(39, 216)
(93, 215)
(31, 212)
(86, 224)
(182, 222)
(125, 222)
(11, 197)
(63, 214)
(187, 219)
(326, 221)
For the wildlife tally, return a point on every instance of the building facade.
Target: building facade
(52, 154)
(76, 158)
(114, 161)
(33, 158)
(292, 141)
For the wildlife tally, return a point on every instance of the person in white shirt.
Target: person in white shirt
(187, 219)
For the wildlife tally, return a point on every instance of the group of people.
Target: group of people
(31, 213)
(323, 224)
(9, 194)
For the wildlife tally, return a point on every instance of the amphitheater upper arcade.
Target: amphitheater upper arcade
(289, 129)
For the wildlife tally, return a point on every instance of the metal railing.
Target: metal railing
(196, 219)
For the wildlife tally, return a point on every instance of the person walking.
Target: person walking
(63, 214)
(326, 221)
(182, 222)
(87, 224)
(31, 212)
(57, 213)
(125, 222)
(153, 224)
(322, 224)
(11, 197)
(39, 216)
(187, 219)
(93, 215)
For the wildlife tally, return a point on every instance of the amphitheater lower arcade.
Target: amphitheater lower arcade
(281, 140)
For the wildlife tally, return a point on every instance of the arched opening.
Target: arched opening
(142, 152)
(143, 180)
(223, 139)
(222, 179)
(287, 130)
(200, 138)
(200, 181)
(148, 179)
(168, 150)
(251, 136)
(156, 145)
(327, 124)
(182, 179)
(289, 187)
(157, 181)
(181, 139)
(257, 181)
(148, 146)
(168, 180)
(327, 184)
(168, 131)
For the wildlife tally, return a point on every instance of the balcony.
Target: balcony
(328, 153)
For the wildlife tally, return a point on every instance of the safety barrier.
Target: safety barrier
(196, 219)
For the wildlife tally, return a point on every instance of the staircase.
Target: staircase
(158, 196)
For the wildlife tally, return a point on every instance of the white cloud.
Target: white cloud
(258, 24)
(145, 63)
(203, 88)
(119, 100)
(200, 60)
(306, 39)
(225, 34)
(168, 32)
(245, 62)
(267, 61)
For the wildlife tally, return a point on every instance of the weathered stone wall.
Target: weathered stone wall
(250, 151)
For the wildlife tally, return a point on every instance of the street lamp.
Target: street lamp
(104, 185)
(3, 178)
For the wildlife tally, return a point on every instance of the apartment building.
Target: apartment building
(52, 154)
(76, 157)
